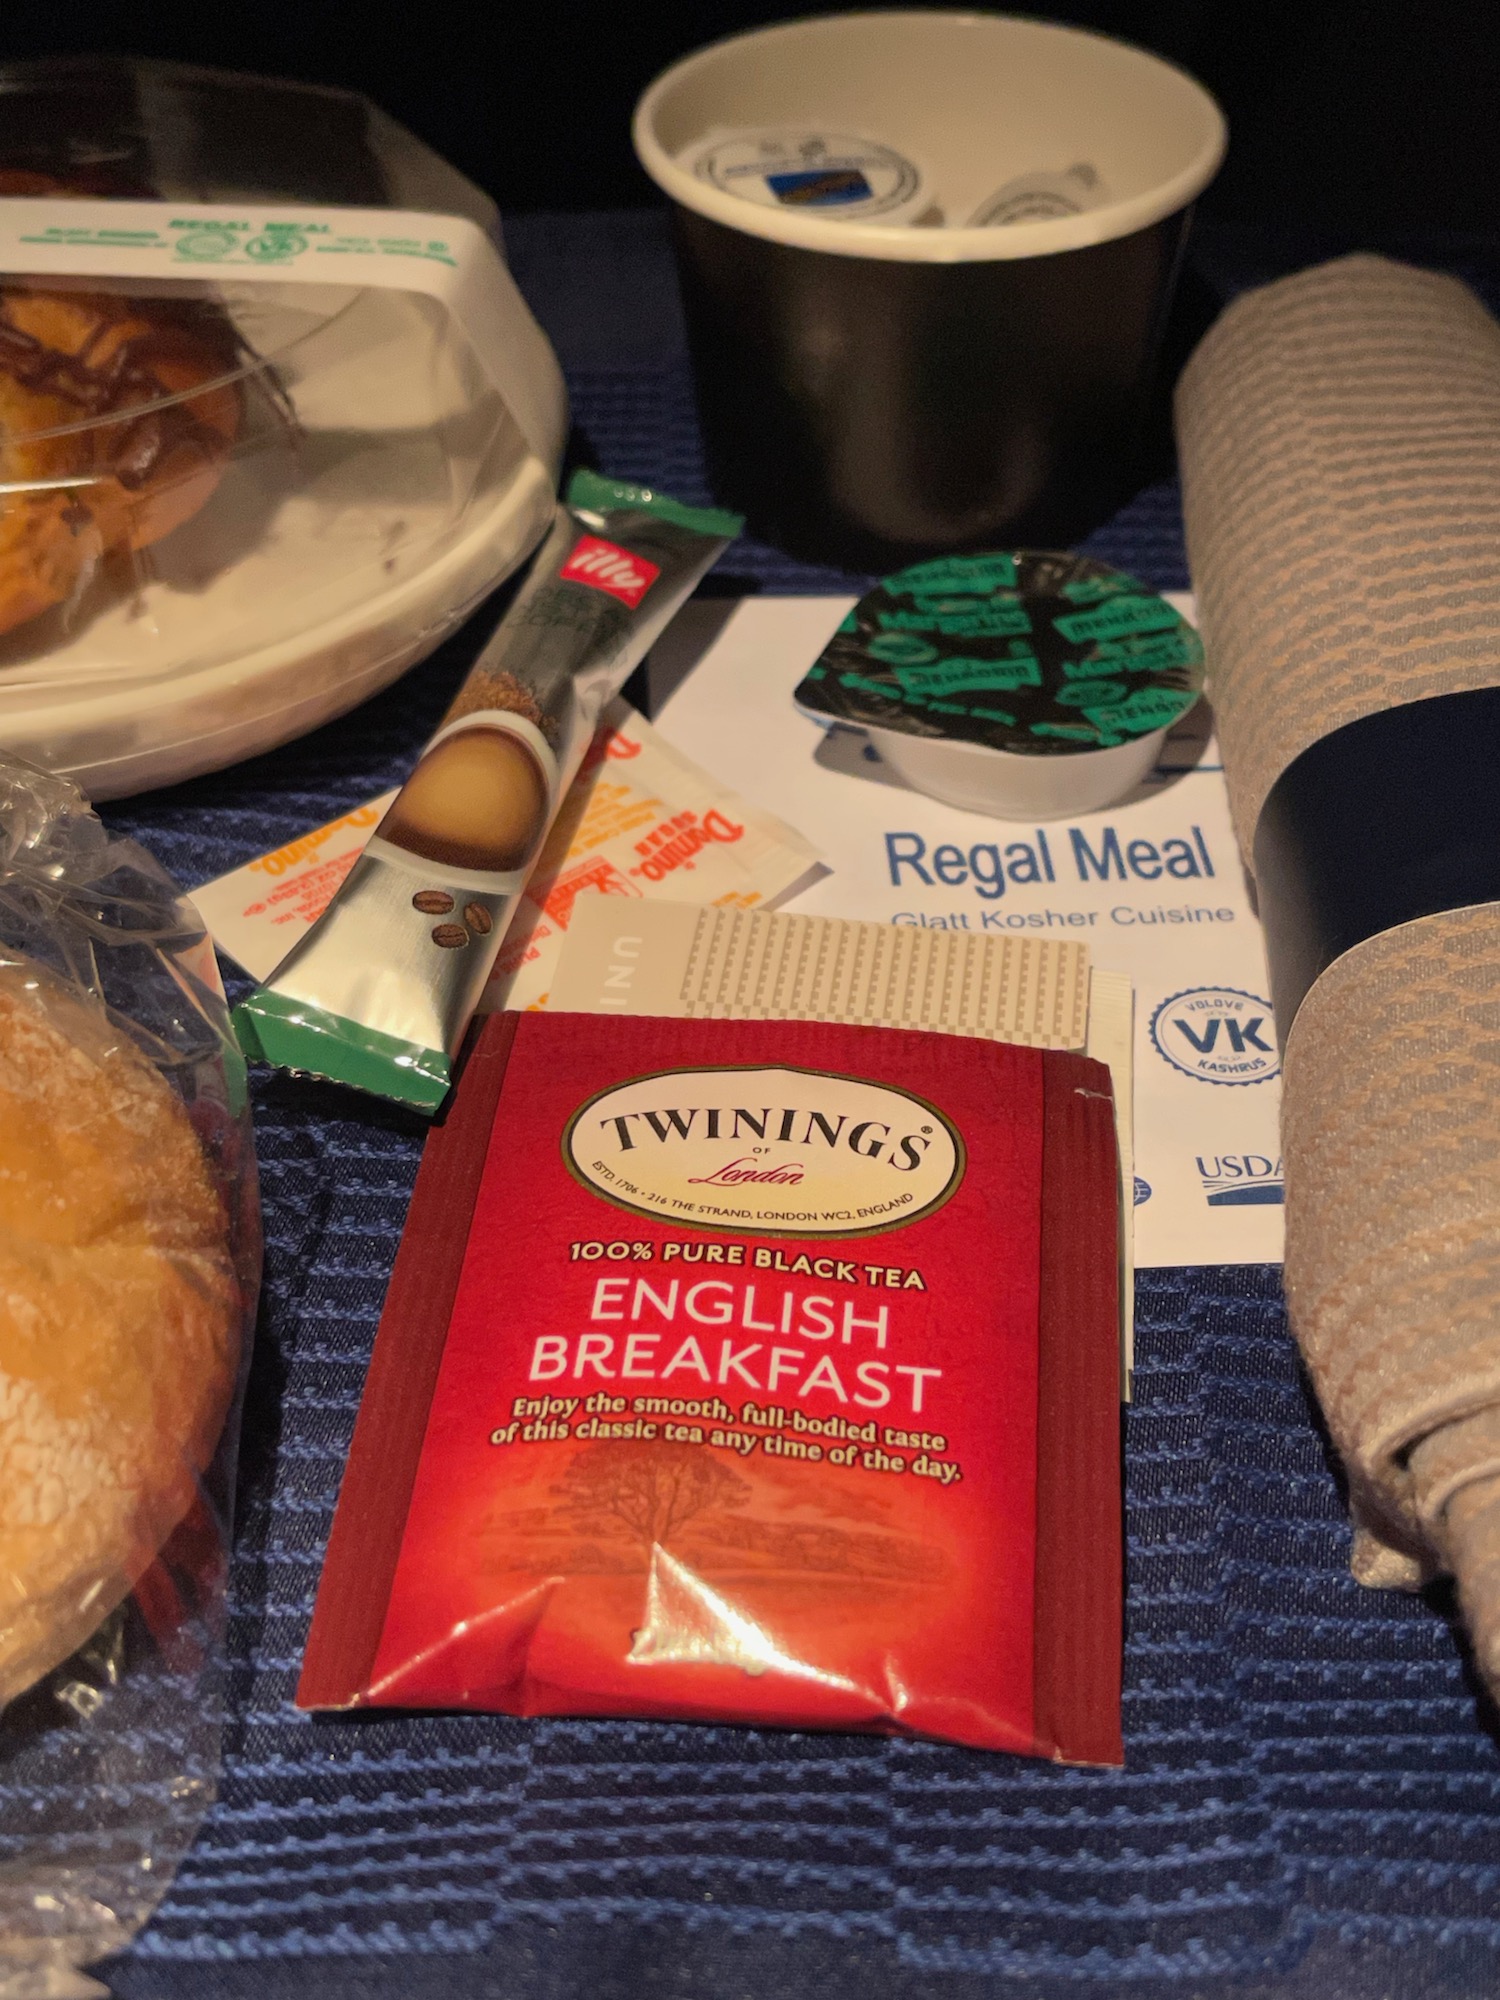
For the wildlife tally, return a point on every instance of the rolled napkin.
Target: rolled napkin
(1339, 434)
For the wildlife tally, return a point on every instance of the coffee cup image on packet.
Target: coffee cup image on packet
(639, 820)
(478, 799)
(379, 992)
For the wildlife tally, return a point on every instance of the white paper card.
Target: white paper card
(1154, 887)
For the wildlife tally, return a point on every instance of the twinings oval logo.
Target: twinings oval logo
(778, 1152)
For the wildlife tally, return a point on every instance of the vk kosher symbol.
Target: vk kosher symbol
(1218, 1035)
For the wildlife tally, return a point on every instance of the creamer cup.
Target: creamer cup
(1041, 197)
(1031, 685)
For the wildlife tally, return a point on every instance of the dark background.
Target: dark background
(1311, 1809)
(1352, 123)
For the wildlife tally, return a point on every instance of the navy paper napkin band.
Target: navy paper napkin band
(1391, 818)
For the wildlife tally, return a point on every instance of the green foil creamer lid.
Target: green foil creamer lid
(1034, 653)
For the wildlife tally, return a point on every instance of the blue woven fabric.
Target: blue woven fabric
(1311, 1801)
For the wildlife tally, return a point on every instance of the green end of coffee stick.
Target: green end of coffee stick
(295, 1035)
(593, 491)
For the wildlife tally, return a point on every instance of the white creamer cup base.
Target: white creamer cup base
(1009, 786)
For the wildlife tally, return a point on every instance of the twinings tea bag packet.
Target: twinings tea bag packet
(747, 1371)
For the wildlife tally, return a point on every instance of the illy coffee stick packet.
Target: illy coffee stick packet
(378, 994)
(747, 1371)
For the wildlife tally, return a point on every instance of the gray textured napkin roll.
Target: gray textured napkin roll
(1339, 433)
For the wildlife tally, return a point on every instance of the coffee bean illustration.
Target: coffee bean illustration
(477, 917)
(432, 902)
(450, 936)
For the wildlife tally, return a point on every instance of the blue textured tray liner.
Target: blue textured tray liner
(1311, 1804)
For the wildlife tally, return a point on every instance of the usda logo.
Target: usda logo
(1218, 1035)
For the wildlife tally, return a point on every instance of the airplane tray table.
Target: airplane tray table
(1311, 1800)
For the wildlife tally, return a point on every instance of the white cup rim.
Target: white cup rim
(903, 244)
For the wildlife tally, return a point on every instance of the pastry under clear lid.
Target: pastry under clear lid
(256, 456)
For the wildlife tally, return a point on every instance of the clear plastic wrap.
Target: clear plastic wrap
(273, 417)
(109, 1759)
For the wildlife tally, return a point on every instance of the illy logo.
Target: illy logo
(602, 566)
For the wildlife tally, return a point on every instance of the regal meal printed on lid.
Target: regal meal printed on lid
(1037, 654)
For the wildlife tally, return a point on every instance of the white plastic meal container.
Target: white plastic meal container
(389, 416)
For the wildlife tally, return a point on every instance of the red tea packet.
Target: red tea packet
(745, 1371)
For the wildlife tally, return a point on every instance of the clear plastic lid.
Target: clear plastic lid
(272, 415)
(118, 126)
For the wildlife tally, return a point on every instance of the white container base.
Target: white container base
(1009, 786)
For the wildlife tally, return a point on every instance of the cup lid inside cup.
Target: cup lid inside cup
(1033, 653)
(811, 169)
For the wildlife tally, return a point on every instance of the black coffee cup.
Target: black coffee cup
(925, 259)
